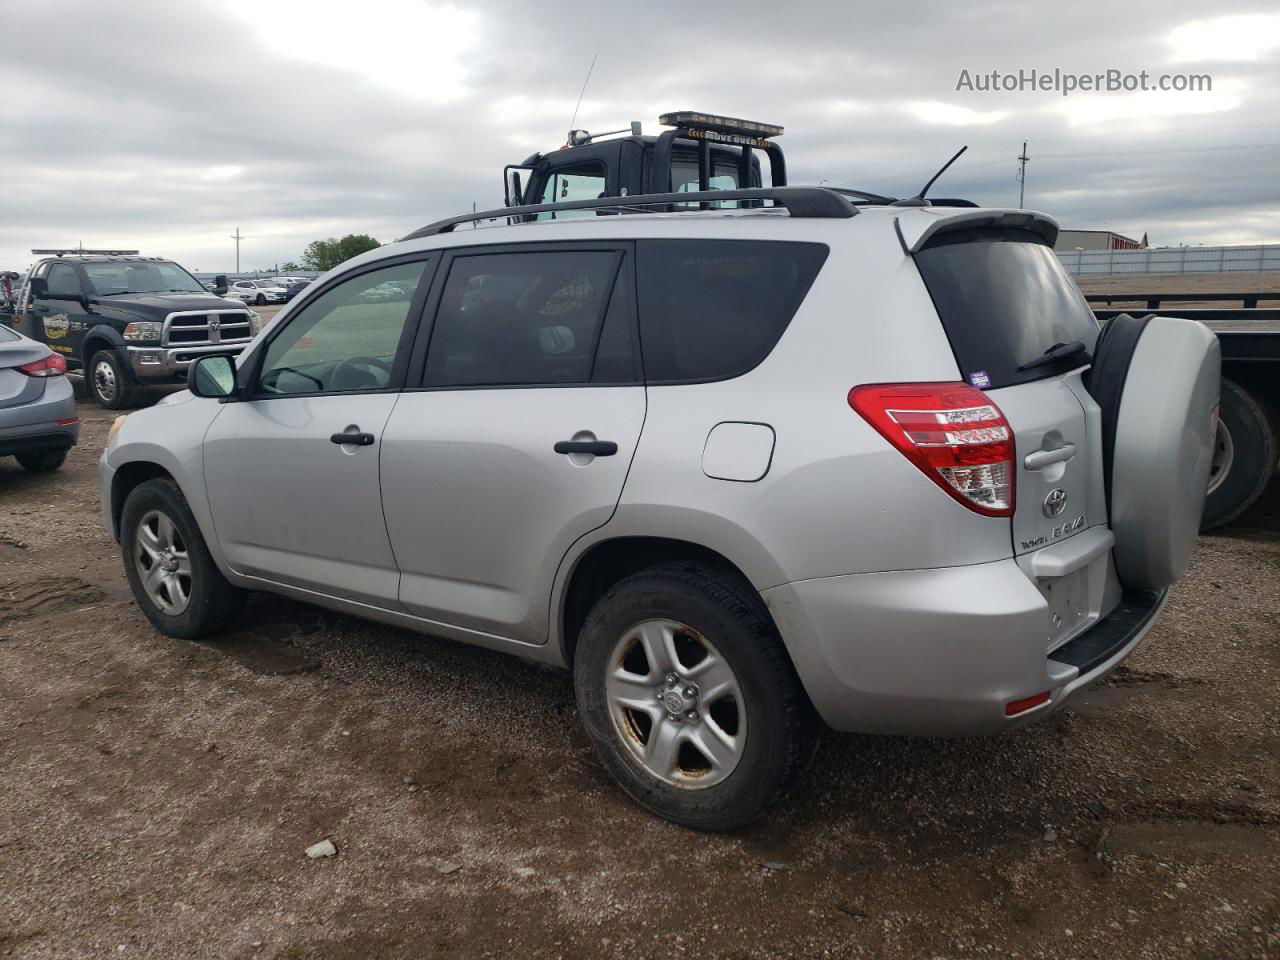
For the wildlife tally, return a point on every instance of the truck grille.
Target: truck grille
(206, 329)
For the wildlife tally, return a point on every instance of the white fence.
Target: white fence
(1172, 260)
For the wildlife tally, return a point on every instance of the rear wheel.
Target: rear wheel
(110, 384)
(41, 461)
(1244, 456)
(172, 575)
(690, 699)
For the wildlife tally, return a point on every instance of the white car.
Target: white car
(258, 292)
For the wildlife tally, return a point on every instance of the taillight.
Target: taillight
(51, 366)
(951, 431)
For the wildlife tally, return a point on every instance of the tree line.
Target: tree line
(323, 255)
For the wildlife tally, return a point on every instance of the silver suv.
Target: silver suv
(745, 472)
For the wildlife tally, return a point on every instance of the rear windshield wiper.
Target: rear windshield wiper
(1059, 351)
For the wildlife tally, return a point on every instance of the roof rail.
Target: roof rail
(807, 202)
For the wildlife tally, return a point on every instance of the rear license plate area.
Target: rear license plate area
(1068, 599)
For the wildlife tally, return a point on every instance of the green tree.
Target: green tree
(290, 267)
(324, 255)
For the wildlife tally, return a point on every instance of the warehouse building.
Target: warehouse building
(1097, 240)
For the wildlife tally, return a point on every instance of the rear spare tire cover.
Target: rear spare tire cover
(1156, 380)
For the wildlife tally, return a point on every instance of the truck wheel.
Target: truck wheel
(172, 575)
(1244, 456)
(109, 382)
(41, 461)
(690, 699)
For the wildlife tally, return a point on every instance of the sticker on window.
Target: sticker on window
(980, 379)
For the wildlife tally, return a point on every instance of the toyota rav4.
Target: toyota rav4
(822, 459)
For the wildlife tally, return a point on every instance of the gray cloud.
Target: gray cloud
(165, 125)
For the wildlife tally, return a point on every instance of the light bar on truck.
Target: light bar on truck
(719, 124)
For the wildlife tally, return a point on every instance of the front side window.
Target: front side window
(713, 309)
(120, 277)
(585, 181)
(347, 338)
(63, 280)
(509, 319)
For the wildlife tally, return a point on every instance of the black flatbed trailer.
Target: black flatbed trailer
(1248, 442)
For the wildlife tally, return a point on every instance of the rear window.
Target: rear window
(1004, 299)
(713, 309)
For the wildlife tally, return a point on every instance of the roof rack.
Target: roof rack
(805, 202)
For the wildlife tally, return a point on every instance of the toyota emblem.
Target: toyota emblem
(1055, 502)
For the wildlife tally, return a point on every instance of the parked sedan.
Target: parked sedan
(38, 422)
(258, 292)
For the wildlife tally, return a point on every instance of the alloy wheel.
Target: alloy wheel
(676, 704)
(163, 564)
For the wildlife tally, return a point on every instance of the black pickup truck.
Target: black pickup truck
(127, 321)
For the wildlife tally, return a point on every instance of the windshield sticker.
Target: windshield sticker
(980, 379)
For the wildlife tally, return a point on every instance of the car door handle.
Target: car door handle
(1040, 459)
(597, 448)
(355, 439)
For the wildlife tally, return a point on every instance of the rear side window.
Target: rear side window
(515, 319)
(1004, 299)
(713, 309)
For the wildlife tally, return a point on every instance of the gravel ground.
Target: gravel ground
(157, 797)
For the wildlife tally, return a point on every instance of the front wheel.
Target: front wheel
(110, 383)
(260, 300)
(690, 698)
(172, 575)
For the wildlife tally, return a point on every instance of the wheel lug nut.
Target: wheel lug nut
(692, 716)
(690, 691)
(672, 678)
(673, 718)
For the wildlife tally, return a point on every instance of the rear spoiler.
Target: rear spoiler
(916, 230)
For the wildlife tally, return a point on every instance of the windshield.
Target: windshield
(117, 277)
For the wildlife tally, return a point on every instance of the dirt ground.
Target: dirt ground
(157, 797)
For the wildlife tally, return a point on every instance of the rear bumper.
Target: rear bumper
(170, 364)
(37, 427)
(942, 652)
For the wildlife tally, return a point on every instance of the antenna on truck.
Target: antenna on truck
(581, 93)
(918, 200)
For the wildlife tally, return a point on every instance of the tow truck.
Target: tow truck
(700, 152)
(124, 320)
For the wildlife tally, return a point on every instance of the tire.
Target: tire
(1157, 381)
(260, 300)
(768, 716)
(108, 382)
(41, 461)
(211, 602)
(1244, 456)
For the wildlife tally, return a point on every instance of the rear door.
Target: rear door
(1021, 331)
(520, 434)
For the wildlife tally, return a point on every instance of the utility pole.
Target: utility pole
(237, 238)
(1022, 174)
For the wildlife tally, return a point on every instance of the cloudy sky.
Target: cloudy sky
(165, 126)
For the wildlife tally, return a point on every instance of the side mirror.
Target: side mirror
(39, 288)
(220, 284)
(213, 376)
